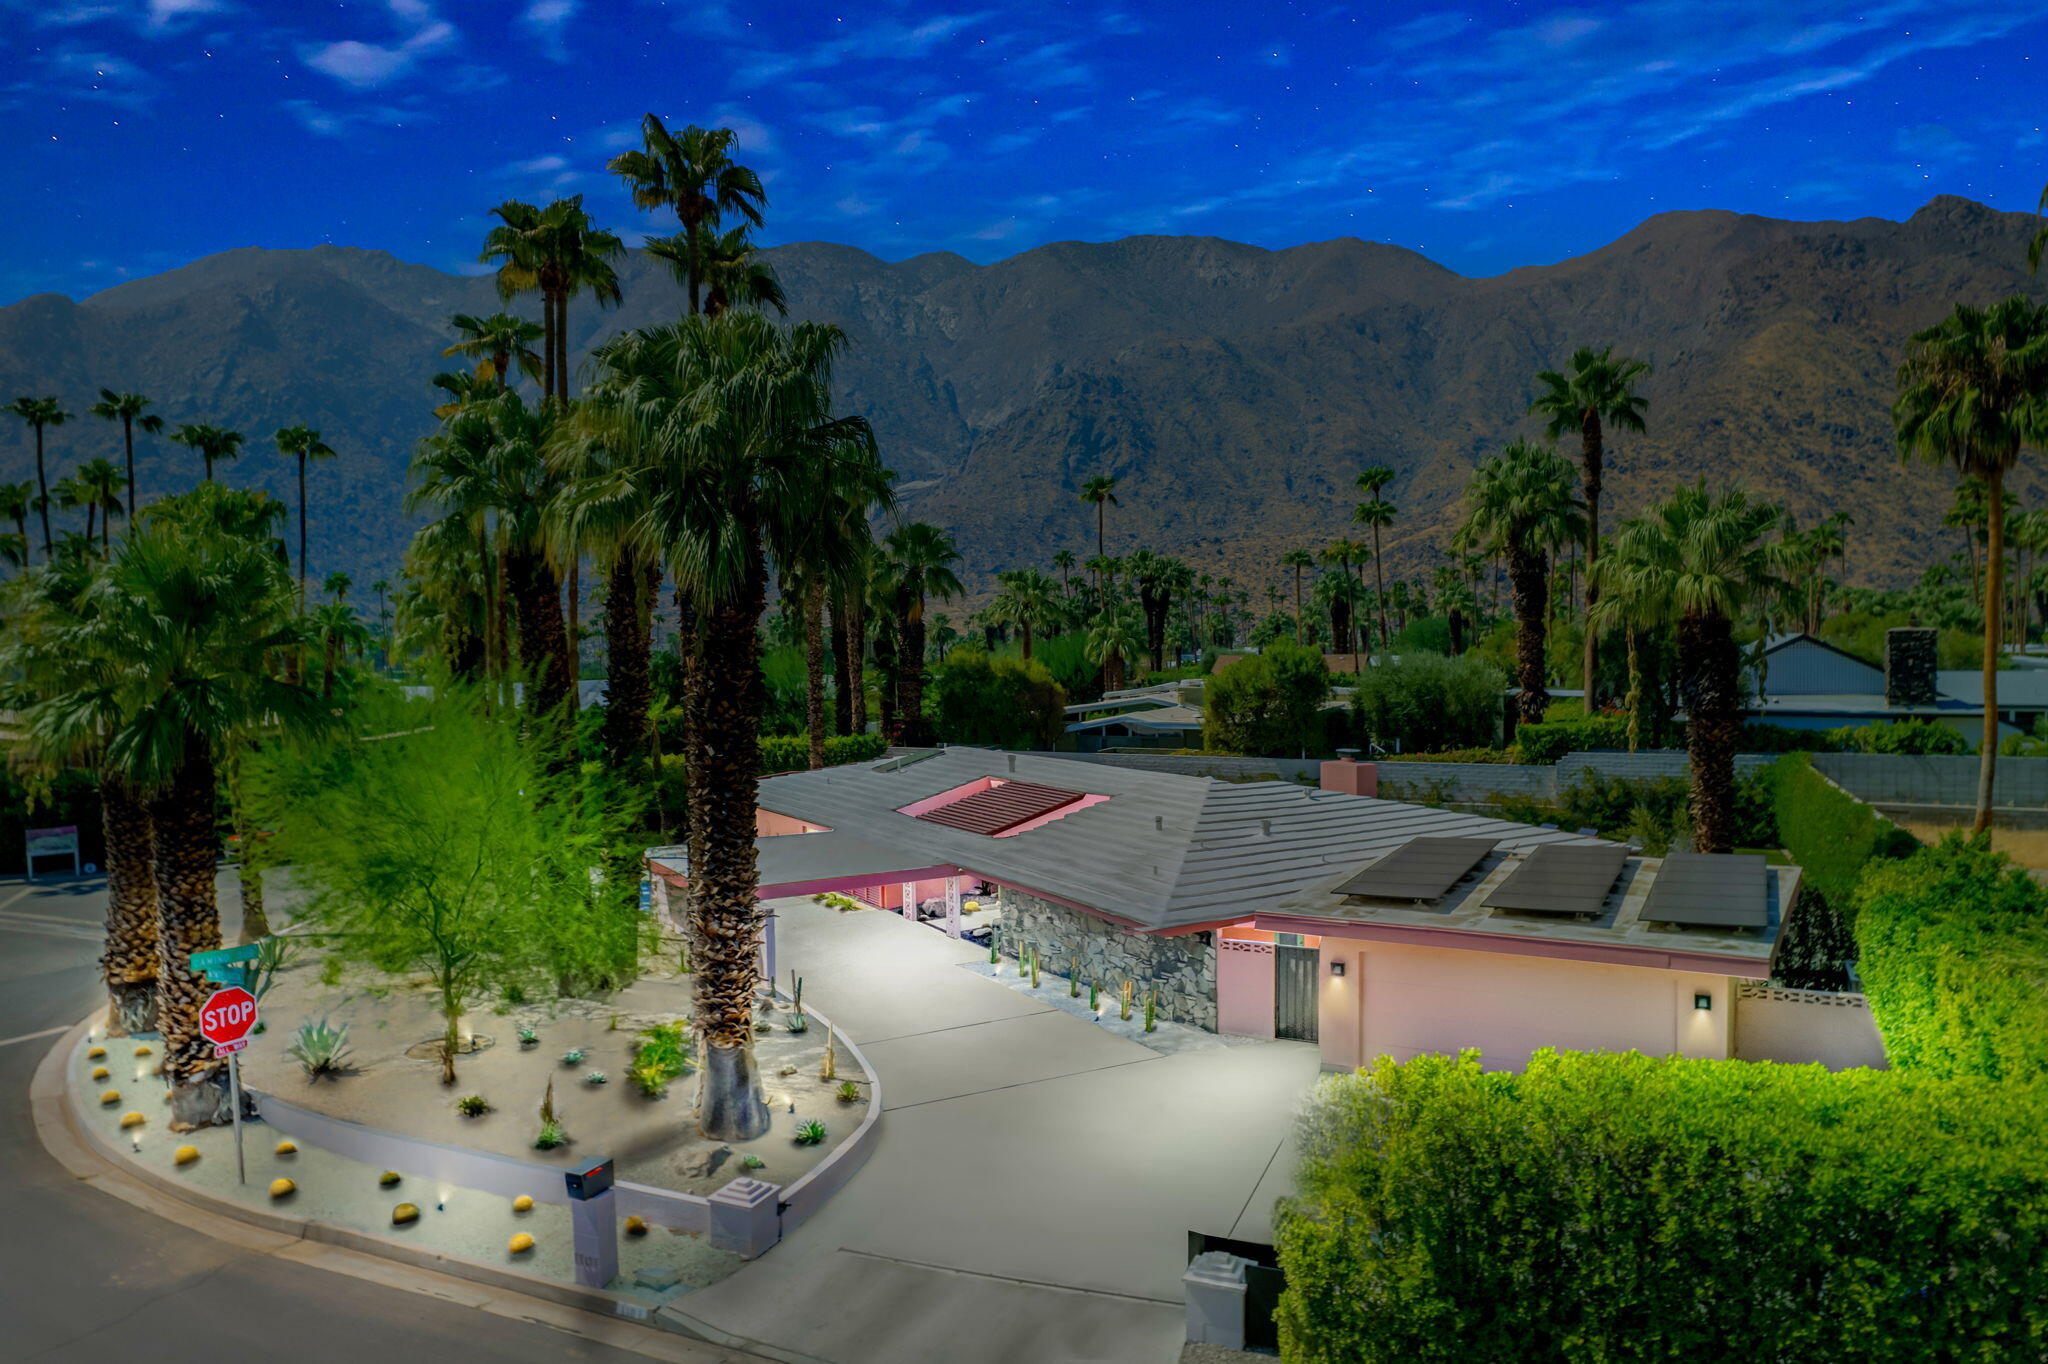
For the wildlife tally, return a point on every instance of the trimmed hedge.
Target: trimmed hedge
(1549, 740)
(792, 752)
(1831, 835)
(1609, 1207)
(1954, 945)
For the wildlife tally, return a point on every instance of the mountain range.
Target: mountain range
(1234, 391)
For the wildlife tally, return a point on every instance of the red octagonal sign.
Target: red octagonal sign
(227, 1016)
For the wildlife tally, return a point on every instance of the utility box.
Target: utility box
(1214, 1288)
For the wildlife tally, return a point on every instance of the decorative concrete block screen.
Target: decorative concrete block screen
(1181, 968)
(1903, 779)
(1801, 1026)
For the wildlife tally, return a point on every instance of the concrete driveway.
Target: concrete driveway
(1036, 1177)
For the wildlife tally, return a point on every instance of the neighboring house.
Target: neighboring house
(1335, 663)
(1272, 910)
(1168, 715)
(1806, 683)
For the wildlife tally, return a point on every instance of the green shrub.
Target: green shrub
(973, 698)
(1612, 1207)
(1459, 755)
(1829, 833)
(1267, 705)
(472, 1105)
(663, 1054)
(1428, 701)
(1550, 740)
(1762, 738)
(1900, 736)
(320, 1048)
(792, 752)
(1954, 956)
(810, 1132)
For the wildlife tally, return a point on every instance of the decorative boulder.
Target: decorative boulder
(282, 1188)
(142, 1051)
(185, 1155)
(99, 1072)
(112, 1096)
(95, 1053)
(132, 1119)
(287, 1148)
(405, 1214)
(388, 1179)
(636, 1226)
(520, 1244)
(523, 1203)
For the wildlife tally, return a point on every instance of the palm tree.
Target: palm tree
(16, 499)
(1378, 513)
(729, 272)
(557, 252)
(128, 409)
(1026, 602)
(501, 340)
(1101, 491)
(196, 609)
(918, 561)
(1598, 391)
(1158, 578)
(1973, 392)
(1345, 553)
(1457, 601)
(99, 484)
(212, 443)
(1701, 561)
(339, 633)
(1116, 634)
(1520, 504)
(692, 173)
(41, 413)
(302, 443)
(337, 586)
(1064, 561)
(2039, 244)
(1300, 561)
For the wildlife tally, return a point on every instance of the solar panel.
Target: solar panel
(1420, 869)
(1001, 807)
(1562, 878)
(1710, 890)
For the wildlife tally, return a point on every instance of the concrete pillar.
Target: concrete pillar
(910, 901)
(1214, 1291)
(953, 906)
(746, 1217)
(594, 1223)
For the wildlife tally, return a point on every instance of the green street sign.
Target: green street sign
(224, 956)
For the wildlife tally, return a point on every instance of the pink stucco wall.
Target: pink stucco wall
(1244, 986)
(1403, 1001)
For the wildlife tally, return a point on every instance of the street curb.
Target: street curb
(657, 1333)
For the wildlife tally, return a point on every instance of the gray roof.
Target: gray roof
(1164, 719)
(1163, 851)
(2021, 688)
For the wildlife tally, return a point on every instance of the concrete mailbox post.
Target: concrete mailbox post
(1214, 1289)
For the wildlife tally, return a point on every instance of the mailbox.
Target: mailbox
(588, 1183)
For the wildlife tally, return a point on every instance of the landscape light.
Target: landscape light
(1703, 1001)
(1337, 969)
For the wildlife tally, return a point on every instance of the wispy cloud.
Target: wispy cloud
(365, 65)
(872, 40)
(547, 20)
(328, 122)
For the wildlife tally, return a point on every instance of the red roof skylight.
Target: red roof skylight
(1001, 807)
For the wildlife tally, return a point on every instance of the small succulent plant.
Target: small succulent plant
(810, 1132)
(750, 1161)
(551, 1135)
(596, 1077)
(321, 1048)
(472, 1105)
(848, 1091)
(573, 1057)
(799, 1023)
(528, 1037)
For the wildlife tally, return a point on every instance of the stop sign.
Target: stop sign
(227, 1016)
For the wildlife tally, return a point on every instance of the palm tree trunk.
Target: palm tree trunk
(814, 670)
(724, 912)
(1708, 642)
(186, 850)
(547, 345)
(1530, 586)
(128, 964)
(572, 590)
(689, 656)
(1635, 693)
(845, 676)
(628, 688)
(43, 487)
(1590, 434)
(543, 645)
(302, 532)
(1994, 585)
(857, 655)
(128, 440)
(1379, 581)
(1300, 634)
(249, 858)
(912, 729)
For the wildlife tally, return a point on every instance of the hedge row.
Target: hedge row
(1602, 1207)
(792, 752)
(1953, 947)
(1549, 740)
(1829, 833)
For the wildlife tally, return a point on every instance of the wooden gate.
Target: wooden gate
(1294, 992)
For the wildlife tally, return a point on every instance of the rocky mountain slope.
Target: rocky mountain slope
(1233, 390)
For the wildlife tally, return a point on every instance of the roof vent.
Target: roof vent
(1013, 762)
(1159, 823)
(1265, 828)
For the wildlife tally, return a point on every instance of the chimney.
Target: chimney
(1347, 774)
(1909, 663)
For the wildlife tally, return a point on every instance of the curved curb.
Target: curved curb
(609, 1318)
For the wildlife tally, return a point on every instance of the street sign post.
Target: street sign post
(226, 1019)
(227, 965)
(61, 841)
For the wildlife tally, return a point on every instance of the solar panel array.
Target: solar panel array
(1001, 807)
(1562, 878)
(1710, 890)
(1421, 869)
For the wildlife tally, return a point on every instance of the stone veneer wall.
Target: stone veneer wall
(1181, 968)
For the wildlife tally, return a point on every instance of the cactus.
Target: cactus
(1123, 1010)
(830, 1069)
(1034, 968)
(1094, 1005)
(1073, 977)
(1151, 1010)
(992, 959)
(796, 994)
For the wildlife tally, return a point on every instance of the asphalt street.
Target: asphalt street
(87, 1277)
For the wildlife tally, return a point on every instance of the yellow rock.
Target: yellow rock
(280, 1188)
(99, 1072)
(520, 1244)
(970, 906)
(388, 1178)
(185, 1155)
(111, 1096)
(405, 1213)
(95, 1053)
(287, 1148)
(636, 1226)
(142, 1051)
(132, 1119)
(523, 1203)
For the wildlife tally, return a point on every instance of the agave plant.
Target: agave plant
(573, 1057)
(596, 1077)
(321, 1048)
(848, 1091)
(810, 1132)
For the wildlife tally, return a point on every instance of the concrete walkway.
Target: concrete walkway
(1036, 1178)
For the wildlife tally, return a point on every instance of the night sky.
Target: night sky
(143, 135)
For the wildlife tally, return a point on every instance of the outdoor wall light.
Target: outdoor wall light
(1337, 969)
(1703, 1001)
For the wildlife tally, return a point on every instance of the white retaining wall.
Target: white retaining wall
(1800, 1026)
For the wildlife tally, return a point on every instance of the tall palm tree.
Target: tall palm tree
(1300, 561)
(730, 272)
(502, 340)
(129, 409)
(1025, 601)
(835, 544)
(1458, 603)
(337, 586)
(1597, 391)
(302, 443)
(1159, 579)
(693, 174)
(196, 612)
(1345, 553)
(1520, 504)
(1700, 561)
(1101, 491)
(100, 484)
(16, 500)
(1115, 636)
(212, 442)
(40, 414)
(1378, 513)
(1973, 393)
(557, 252)
(918, 560)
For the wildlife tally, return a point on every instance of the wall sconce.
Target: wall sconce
(1337, 969)
(1703, 1001)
